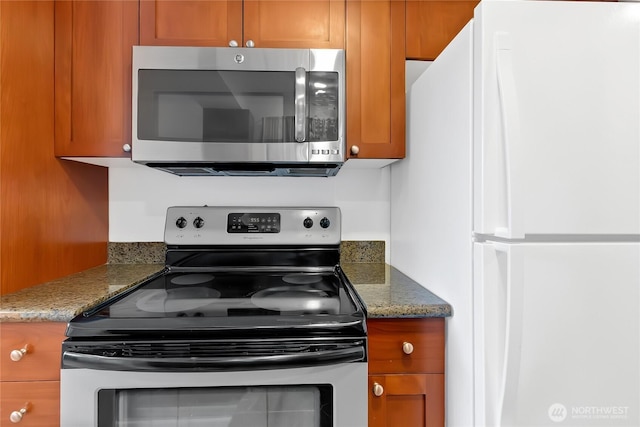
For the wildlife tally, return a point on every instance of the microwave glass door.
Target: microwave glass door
(237, 106)
(261, 406)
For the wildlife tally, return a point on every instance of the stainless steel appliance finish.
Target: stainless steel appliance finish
(239, 111)
(114, 391)
(324, 226)
(251, 323)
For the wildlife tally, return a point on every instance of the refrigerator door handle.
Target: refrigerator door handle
(513, 333)
(511, 135)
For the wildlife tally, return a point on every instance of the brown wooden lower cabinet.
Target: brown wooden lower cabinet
(39, 399)
(406, 372)
(30, 373)
(406, 400)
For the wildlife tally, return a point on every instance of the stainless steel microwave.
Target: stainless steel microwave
(239, 111)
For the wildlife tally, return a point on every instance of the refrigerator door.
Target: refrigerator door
(556, 118)
(557, 333)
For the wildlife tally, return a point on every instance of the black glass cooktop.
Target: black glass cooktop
(204, 294)
(228, 303)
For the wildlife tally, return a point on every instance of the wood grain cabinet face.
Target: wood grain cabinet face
(263, 23)
(387, 339)
(375, 64)
(407, 400)
(406, 372)
(43, 343)
(93, 51)
(41, 399)
(30, 372)
(432, 24)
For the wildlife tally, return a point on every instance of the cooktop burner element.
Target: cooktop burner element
(302, 300)
(192, 279)
(302, 279)
(176, 300)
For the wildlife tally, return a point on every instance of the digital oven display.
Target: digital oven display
(253, 223)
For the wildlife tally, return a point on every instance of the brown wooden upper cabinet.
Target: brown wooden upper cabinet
(250, 23)
(432, 24)
(375, 53)
(93, 41)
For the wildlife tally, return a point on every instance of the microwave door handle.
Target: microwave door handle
(301, 104)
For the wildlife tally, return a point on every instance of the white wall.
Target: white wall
(139, 197)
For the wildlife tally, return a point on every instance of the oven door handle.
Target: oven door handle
(71, 360)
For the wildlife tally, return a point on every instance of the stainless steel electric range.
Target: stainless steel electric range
(252, 323)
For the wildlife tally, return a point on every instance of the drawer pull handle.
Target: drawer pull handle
(16, 355)
(378, 390)
(16, 416)
(407, 347)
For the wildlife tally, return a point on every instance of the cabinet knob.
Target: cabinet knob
(17, 355)
(355, 149)
(407, 347)
(126, 148)
(378, 390)
(233, 43)
(16, 416)
(250, 43)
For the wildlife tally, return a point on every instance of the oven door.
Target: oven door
(332, 395)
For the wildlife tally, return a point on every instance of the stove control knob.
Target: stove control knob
(198, 222)
(308, 222)
(325, 223)
(181, 222)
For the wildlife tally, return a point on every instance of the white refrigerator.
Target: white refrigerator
(519, 204)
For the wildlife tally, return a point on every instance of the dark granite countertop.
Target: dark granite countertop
(62, 299)
(385, 290)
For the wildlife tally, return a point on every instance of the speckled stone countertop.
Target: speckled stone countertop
(385, 290)
(62, 299)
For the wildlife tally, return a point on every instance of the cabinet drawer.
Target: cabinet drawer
(41, 398)
(41, 361)
(423, 339)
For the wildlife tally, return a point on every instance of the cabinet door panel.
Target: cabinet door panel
(44, 344)
(375, 78)
(294, 23)
(431, 25)
(93, 41)
(42, 397)
(190, 22)
(386, 339)
(407, 400)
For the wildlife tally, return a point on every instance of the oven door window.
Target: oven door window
(264, 406)
(237, 106)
